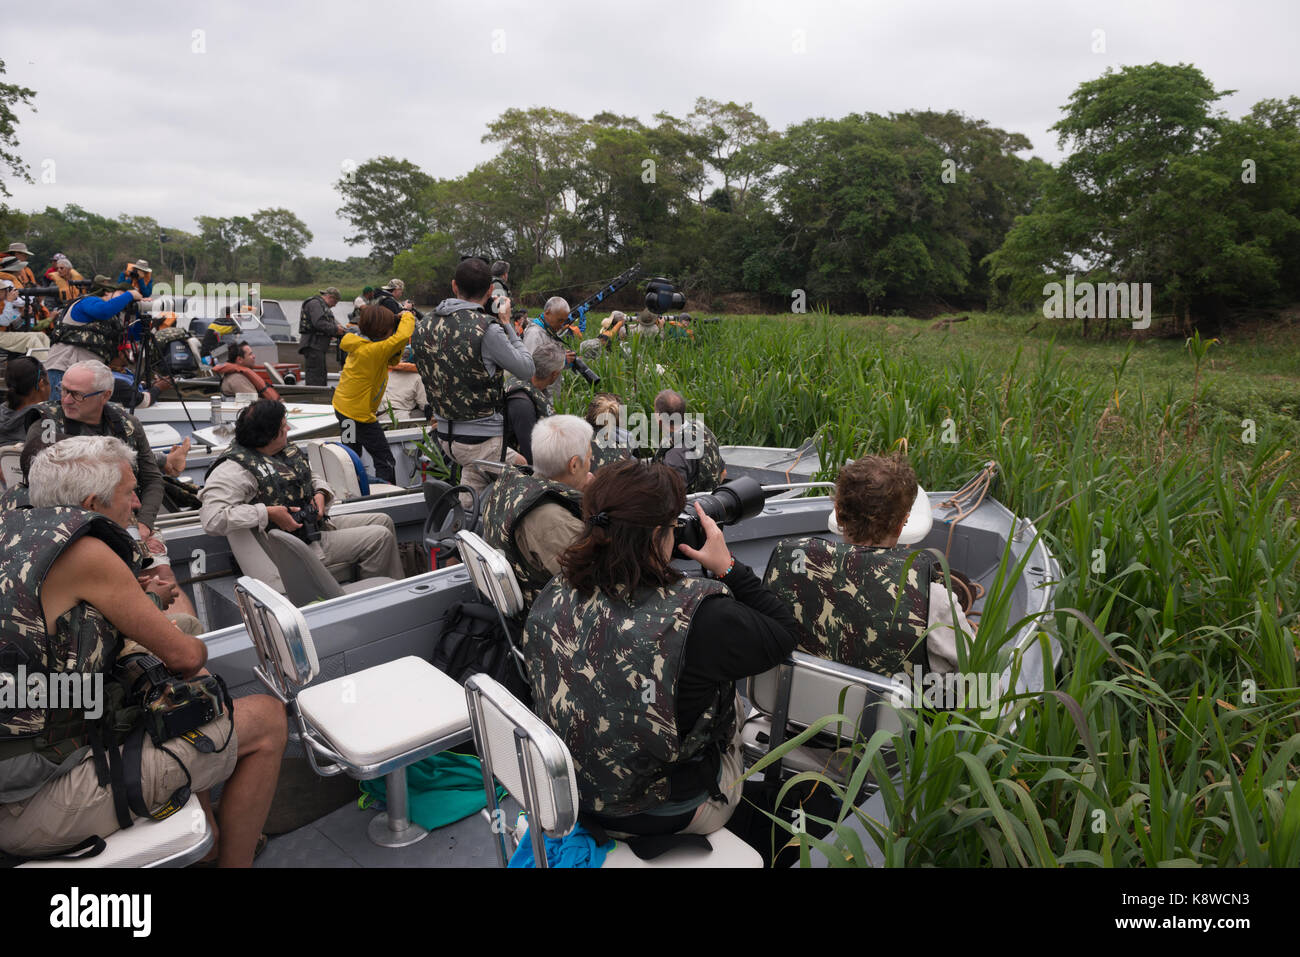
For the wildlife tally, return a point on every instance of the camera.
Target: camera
(309, 518)
(728, 504)
(662, 296)
(585, 371)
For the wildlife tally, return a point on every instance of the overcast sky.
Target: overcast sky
(141, 114)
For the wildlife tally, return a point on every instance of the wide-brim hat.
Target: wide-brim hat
(103, 284)
(648, 318)
(142, 265)
(331, 291)
(19, 248)
(11, 264)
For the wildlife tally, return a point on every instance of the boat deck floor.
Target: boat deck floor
(339, 839)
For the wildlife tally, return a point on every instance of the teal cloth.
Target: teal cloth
(576, 849)
(442, 788)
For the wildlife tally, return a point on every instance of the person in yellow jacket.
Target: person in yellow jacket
(364, 379)
(63, 277)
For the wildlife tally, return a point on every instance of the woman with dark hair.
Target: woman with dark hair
(634, 664)
(364, 379)
(28, 386)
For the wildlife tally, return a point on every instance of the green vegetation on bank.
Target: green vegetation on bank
(1172, 729)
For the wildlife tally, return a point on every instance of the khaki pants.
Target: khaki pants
(711, 815)
(73, 807)
(366, 540)
(23, 341)
(471, 475)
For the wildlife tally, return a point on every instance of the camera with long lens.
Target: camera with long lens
(729, 503)
(585, 371)
(662, 296)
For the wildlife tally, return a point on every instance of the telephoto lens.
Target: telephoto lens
(585, 371)
(728, 504)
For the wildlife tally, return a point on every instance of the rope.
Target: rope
(961, 500)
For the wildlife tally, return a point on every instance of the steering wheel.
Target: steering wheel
(447, 516)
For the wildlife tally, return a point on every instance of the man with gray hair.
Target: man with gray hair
(84, 409)
(532, 519)
(527, 402)
(70, 568)
(555, 315)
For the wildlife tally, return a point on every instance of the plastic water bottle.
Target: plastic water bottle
(217, 418)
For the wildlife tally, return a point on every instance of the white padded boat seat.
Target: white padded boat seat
(382, 712)
(728, 851)
(339, 472)
(177, 840)
(10, 467)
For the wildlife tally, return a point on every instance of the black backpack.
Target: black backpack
(472, 642)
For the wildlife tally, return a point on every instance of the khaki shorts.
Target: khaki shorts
(73, 807)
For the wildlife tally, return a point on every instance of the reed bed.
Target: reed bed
(1169, 733)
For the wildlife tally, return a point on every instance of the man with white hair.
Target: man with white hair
(532, 519)
(70, 568)
(555, 316)
(528, 402)
(84, 409)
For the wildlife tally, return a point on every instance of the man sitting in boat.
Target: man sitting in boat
(635, 666)
(528, 402)
(240, 375)
(846, 595)
(611, 442)
(70, 568)
(692, 451)
(532, 519)
(85, 409)
(263, 481)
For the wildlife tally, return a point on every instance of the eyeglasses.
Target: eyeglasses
(76, 396)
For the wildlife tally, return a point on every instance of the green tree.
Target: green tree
(385, 201)
(11, 95)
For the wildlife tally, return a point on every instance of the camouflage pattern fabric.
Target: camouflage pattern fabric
(711, 471)
(84, 641)
(16, 497)
(844, 599)
(607, 455)
(102, 337)
(116, 422)
(449, 356)
(542, 401)
(169, 334)
(513, 496)
(604, 674)
(282, 479)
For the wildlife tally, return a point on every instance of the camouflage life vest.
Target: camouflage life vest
(513, 496)
(102, 337)
(15, 497)
(541, 400)
(844, 599)
(449, 356)
(84, 642)
(114, 421)
(282, 479)
(604, 674)
(305, 328)
(607, 455)
(710, 471)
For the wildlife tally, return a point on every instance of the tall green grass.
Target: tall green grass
(1169, 733)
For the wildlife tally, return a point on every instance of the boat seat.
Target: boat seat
(495, 581)
(176, 841)
(305, 577)
(10, 464)
(331, 460)
(251, 548)
(367, 724)
(803, 689)
(520, 751)
(39, 353)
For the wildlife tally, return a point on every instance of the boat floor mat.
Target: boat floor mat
(303, 796)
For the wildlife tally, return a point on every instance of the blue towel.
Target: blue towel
(576, 849)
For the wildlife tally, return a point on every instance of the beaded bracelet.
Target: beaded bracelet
(730, 565)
